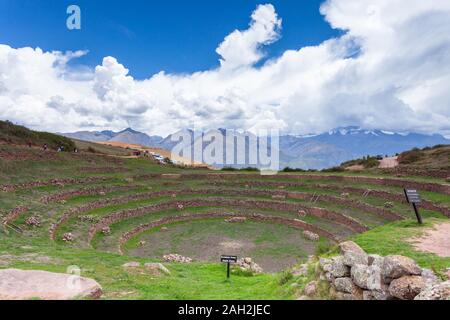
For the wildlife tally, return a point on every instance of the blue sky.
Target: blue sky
(176, 36)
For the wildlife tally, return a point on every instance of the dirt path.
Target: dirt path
(436, 240)
(390, 162)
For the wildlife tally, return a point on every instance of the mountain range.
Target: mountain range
(307, 152)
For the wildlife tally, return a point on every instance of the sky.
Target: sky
(300, 66)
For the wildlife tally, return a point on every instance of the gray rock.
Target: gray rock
(430, 278)
(407, 287)
(311, 235)
(353, 254)
(329, 277)
(354, 258)
(439, 291)
(31, 284)
(375, 260)
(368, 295)
(375, 279)
(345, 285)
(360, 274)
(325, 264)
(395, 267)
(338, 269)
(311, 289)
(132, 264)
(376, 295)
(157, 267)
(350, 246)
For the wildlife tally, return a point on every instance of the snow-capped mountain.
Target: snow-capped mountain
(315, 151)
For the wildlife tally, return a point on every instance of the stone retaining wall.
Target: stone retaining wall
(356, 226)
(356, 275)
(402, 183)
(397, 197)
(202, 216)
(82, 192)
(52, 182)
(107, 220)
(14, 214)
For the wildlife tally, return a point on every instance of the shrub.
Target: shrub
(411, 156)
(285, 277)
(288, 169)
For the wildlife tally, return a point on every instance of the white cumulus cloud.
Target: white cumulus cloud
(389, 70)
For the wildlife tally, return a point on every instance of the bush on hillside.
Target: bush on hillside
(411, 156)
(14, 134)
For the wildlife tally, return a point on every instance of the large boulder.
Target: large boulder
(352, 258)
(407, 287)
(395, 267)
(437, 292)
(34, 284)
(353, 254)
(350, 246)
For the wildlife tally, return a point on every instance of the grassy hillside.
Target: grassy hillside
(437, 157)
(19, 135)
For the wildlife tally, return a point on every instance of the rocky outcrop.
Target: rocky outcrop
(176, 258)
(247, 264)
(33, 222)
(68, 237)
(355, 275)
(311, 235)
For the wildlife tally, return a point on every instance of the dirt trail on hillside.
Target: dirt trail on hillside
(436, 240)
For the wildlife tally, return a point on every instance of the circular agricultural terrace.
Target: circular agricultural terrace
(204, 215)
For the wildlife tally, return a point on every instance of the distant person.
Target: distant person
(45, 147)
(29, 144)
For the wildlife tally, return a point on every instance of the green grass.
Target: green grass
(391, 239)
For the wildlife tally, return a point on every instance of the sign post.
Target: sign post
(413, 197)
(228, 260)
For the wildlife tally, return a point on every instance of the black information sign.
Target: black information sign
(413, 197)
(228, 260)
